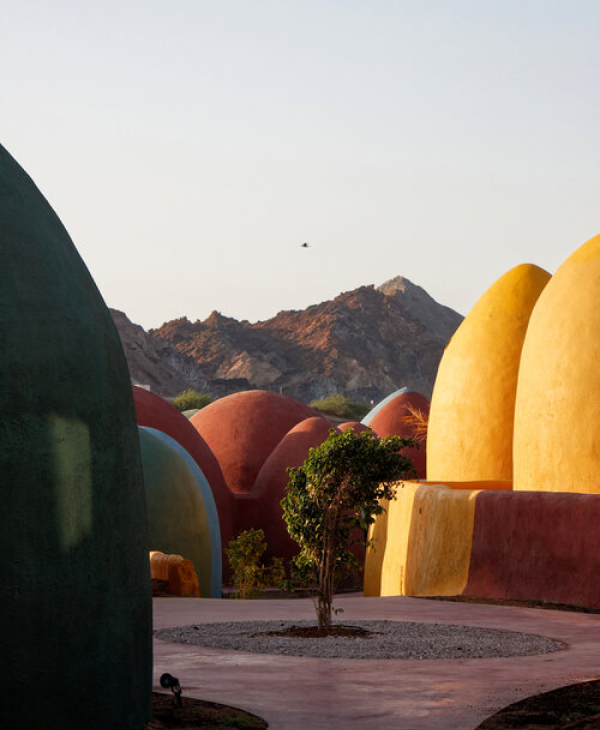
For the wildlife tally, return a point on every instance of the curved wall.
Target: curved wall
(75, 596)
(470, 433)
(216, 557)
(389, 421)
(269, 488)
(558, 397)
(155, 412)
(178, 521)
(242, 429)
(422, 543)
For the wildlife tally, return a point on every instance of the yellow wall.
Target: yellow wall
(394, 559)
(557, 416)
(375, 553)
(426, 552)
(472, 408)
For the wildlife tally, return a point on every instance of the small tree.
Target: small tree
(191, 399)
(332, 498)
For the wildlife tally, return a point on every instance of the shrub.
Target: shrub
(249, 574)
(341, 406)
(332, 498)
(191, 399)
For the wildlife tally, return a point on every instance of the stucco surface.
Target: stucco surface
(269, 488)
(216, 552)
(356, 426)
(75, 598)
(501, 486)
(242, 429)
(470, 433)
(558, 396)
(375, 554)
(422, 543)
(155, 412)
(177, 517)
(536, 545)
(389, 421)
(382, 404)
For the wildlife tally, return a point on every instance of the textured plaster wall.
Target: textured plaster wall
(177, 517)
(75, 600)
(422, 546)
(243, 429)
(212, 517)
(557, 414)
(470, 433)
(155, 412)
(389, 421)
(535, 545)
(269, 488)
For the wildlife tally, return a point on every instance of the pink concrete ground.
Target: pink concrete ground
(294, 693)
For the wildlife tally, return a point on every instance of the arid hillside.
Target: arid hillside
(365, 343)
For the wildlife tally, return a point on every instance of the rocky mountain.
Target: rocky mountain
(160, 366)
(364, 343)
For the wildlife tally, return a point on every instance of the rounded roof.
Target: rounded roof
(269, 488)
(242, 429)
(155, 412)
(356, 426)
(471, 422)
(382, 404)
(177, 515)
(75, 492)
(216, 567)
(557, 413)
(390, 421)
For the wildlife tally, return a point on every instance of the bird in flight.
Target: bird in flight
(304, 245)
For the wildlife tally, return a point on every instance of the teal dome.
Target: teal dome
(177, 496)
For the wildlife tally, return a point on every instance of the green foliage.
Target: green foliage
(332, 499)
(249, 574)
(341, 406)
(191, 399)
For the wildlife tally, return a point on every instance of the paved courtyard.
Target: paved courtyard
(294, 693)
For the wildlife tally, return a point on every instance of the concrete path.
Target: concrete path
(295, 693)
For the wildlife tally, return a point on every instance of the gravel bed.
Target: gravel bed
(389, 640)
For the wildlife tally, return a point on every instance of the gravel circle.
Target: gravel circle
(389, 640)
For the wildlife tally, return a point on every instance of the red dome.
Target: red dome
(263, 508)
(242, 429)
(356, 426)
(389, 421)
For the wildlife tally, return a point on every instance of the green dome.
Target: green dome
(75, 591)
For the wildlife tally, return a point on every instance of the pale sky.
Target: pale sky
(190, 146)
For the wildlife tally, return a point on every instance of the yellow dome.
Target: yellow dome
(557, 414)
(472, 408)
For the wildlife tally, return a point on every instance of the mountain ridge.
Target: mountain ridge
(365, 343)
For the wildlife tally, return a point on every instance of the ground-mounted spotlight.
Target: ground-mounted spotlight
(168, 681)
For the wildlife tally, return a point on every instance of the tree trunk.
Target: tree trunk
(323, 613)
